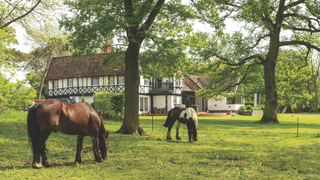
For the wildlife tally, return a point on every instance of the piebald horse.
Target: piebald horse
(73, 119)
(185, 116)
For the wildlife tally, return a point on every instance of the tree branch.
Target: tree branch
(305, 60)
(151, 17)
(290, 43)
(294, 4)
(22, 16)
(262, 37)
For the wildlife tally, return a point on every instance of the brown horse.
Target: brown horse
(73, 119)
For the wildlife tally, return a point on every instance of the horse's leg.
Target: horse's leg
(79, 149)
(95, 148)
(169, 132)
(177, 131)
(45, 136)
(190, 131)
(39, 149)
(195, 136)
(36, 159)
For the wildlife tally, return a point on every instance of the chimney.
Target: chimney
(108, 48)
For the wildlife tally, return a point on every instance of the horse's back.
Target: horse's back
(68, 118)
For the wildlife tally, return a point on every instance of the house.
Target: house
(75, 78)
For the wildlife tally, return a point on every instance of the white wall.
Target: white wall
(159, 101)
(222, 105)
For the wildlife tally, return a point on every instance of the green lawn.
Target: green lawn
(228, 148)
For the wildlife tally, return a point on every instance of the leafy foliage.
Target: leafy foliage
(107, 101)
(14, 94)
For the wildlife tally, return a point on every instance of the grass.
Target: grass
(228, 148)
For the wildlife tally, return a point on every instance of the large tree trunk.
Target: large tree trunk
(271, 103)
(131, 106)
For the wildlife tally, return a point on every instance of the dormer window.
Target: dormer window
(69, 83)
(95, 81)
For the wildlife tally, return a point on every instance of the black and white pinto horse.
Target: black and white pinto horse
(185, 116)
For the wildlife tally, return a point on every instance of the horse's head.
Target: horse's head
(103, 145)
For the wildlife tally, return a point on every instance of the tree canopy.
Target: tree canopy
(267, 27)
(159, 26)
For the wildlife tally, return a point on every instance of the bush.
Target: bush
(241, 109)
(249, 107)
(256, 108)
(247, 111)
(249, 103)
(106, 101)
(262, 107)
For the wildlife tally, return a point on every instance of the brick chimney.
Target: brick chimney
(108, 48)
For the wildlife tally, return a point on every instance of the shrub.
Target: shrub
(241, 109)
(248, 111)
(249, 107)
(249, 103)
(107, 101)
(262, 107)
(256, 108)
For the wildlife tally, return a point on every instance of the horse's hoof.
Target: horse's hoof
(169, 138)
(178, 138)
(46, 163)
(190, 141)
(37, 165)
(195, 140)
(99, 160)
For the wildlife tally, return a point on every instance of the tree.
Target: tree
(42, 57)
(268, 26)
(13, 94)
(136, 23)
(291, 79)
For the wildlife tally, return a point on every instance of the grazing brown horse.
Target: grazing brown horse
(73, 119)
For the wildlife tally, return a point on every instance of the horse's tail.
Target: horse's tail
(33, 126)
(168, 121)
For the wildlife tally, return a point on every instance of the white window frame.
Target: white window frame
(144, 104)
(109, 80)
(53, 84)
(68, 84)
(121, 80)
(93, 80)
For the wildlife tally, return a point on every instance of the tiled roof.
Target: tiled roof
(63, 67)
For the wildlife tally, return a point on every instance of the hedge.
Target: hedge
(106, 101)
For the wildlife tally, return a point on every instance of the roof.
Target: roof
(63, 67)
(192, 83)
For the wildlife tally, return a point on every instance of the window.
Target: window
(111, 80)
(69, 83)
(235, 100)
(143, 104)
(55, 84)
(175, 100)
(230, 100)
(121, 80)
(146, 82)
(95, 81)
